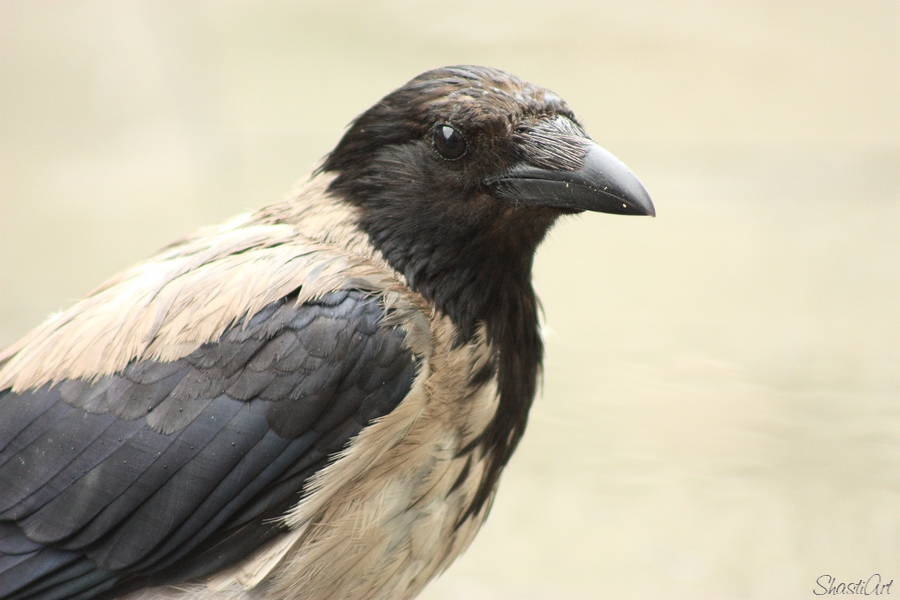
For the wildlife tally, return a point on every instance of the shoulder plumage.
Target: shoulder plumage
(192, 291)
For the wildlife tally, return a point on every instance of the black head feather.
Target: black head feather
(436, 220)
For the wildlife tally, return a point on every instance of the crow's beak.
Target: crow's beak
(602, 184)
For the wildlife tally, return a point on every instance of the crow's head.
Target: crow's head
(459, 174)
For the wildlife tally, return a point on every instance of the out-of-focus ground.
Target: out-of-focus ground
(720, 415)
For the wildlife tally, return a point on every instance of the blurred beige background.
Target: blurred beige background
(720, 415)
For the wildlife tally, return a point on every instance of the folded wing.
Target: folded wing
(169, 471)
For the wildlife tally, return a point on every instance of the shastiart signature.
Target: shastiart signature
(827, 585)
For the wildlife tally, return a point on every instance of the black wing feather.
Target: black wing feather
(167, 471)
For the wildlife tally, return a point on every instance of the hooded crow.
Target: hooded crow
(315, 400)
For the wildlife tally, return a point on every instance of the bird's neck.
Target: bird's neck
(475, 266)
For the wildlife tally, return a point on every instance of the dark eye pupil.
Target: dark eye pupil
(449, 142)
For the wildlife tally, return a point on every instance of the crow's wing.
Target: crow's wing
(170, 471)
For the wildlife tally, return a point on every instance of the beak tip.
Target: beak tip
(634, 199)
(647, 205)
(619, 183)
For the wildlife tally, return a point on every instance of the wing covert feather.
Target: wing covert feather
(134, 477)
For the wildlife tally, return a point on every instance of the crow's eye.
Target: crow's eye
(449, 142)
